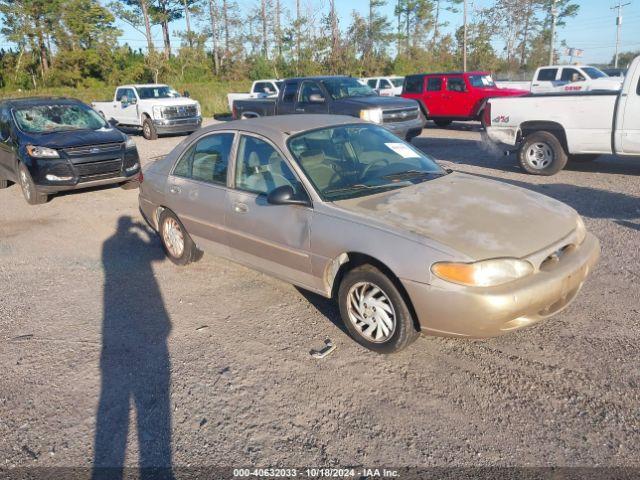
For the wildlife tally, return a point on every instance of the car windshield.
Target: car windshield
(157, 92)
(594, 72)
(397, 82)
(355, 160)
(345, 87)
(481, 81)
(57, 118)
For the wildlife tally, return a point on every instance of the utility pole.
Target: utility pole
(618, 26)
(464, 37)
(554, 19)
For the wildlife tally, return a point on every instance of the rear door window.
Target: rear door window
(434, 84)
(372, 82)
(207, 160)
(547, 74)
(289, 94)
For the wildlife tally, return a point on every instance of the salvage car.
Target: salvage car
(50, 145)
(155, 108)
(347, 210)
(340, 96)
(548, 130)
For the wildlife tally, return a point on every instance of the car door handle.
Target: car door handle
(175, 190)
(240, 208)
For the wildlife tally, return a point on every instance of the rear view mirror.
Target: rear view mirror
(285, 195)
(316, 98)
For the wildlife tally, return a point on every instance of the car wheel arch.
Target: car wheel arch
(347, 261)
(554, 128)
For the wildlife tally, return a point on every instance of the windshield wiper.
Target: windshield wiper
(362, 186)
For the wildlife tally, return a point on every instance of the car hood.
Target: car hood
(170, 102)
(376, 101)
(75, 138)
(476, 217)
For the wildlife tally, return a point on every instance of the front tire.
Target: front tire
(176, 242)
(542, 153)
(149, 130)
(29, 190)
(374, 311)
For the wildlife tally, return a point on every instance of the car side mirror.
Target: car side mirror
(124, 101)
(316, 98)
(186, 94)
(285, 195)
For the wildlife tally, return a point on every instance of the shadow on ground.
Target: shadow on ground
(134, 363)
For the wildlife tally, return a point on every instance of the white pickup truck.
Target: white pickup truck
(269, 88)
(385, 86)
(566, 78)
(155, 108)
(547, 130)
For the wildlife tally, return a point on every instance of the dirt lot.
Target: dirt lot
(210, 364)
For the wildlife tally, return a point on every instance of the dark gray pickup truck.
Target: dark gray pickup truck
(339, 96)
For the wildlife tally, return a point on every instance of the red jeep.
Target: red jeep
(445, 97)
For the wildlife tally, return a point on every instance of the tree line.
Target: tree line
(76, 42)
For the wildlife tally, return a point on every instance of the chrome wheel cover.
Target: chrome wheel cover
(173, 237)
(24, 183)
(147, 130)
(371, 312)
(539, 155)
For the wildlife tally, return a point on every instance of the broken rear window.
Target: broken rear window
(57, 118)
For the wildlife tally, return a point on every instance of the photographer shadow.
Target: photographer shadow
(134, 362)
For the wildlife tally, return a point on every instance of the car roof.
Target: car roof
(458, 72)
(284, 125)
(35, 101)
(319, 77)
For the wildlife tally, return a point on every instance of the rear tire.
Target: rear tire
(29, 190)
(176, 242)
(149, 130)
(4, 183)
(442, 123)
(374, 311)
(583, 158)
(541, 153)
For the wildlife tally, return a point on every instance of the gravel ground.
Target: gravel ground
(210, 364)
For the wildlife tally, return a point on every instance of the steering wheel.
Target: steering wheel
(373, 164)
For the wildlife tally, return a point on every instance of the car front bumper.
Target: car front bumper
(406, 130)
(488, 312)
(76, 172)
(179, 125)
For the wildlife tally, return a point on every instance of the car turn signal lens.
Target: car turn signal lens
(486, 273)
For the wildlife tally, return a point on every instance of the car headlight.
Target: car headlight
(157, 112)
(42, 152)
(372, 115)
(130, 143)
(581, 230)
(486, 273)
(198, 111)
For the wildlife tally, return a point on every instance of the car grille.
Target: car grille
(180, 112)
(400, 115)
(91, 171)
(93, 149)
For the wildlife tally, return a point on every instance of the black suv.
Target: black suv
(48, 145)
